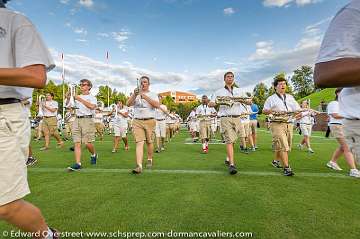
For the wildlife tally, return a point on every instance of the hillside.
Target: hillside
(326, 94)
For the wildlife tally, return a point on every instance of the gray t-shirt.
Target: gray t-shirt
(20, 46)
(342, 40)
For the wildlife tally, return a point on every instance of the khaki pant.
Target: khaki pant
(205, 129)
(352, 137)
(282, 134)
(143, 130)
(99, 128)
(337, 130)
(14, 146)
(50, 125)
(83, 130)
(230, 128)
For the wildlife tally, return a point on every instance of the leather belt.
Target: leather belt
(230, 116)
(84, 116)
(160, 119)
(144, 118)
(49, 116)
(336, 123)
(7, 101)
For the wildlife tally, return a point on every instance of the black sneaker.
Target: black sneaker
(244, 151)
(232, 170)
(72, 148)
(157, 151)
(93, 159)
(74, 167)
(31, 161)
(288, 172)
(227, 163)
(276, 164)
(56, 233)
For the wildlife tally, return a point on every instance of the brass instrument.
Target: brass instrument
(100, 105)
(283, 116)
(41, 100)
(229, 101)
(72, 90)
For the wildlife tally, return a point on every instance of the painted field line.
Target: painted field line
(179, 171)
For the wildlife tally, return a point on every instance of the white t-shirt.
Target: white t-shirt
(142, 108)
(159, 114)
(99, 117)
(82, 109)
(275, 103)
(52, 104)
(205, 110)
(246, 109)
(342, 40)
(120, 119)
(192, 116)
(306, 118)
(20, 46)
(333, 108)
(225, 110)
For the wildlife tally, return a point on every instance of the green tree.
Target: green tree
(260, 94)
(302, 80)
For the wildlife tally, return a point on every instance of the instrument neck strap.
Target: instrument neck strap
(230, 90)
(283, 100)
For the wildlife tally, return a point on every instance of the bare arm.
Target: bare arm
(343, 72)
(336, 116)
(50, 109)
(131, 100)
(33, 76)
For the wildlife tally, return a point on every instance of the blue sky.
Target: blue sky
(180, 44)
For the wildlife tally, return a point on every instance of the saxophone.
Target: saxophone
(229, 101)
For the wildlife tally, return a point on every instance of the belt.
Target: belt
(336, 123)
(230, 116)
(84, 116)
(352, 118)
(7, 101)
(160, 119)
(144, 118)
(49, 116)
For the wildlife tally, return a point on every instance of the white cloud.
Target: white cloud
(64, 1)
(286, 3)
(103, 34)
(121, 38)
(81, 40)
(86, 3)
(229, 11)
(264, 49)
(80, 30)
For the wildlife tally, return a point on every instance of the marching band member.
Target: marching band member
(230, 122)
(306, 121)
(160, 128)
(144, 102)
(99, 124)
(281, 127)
(50, 125)
(120, 125)
(204, 113)
(254, 122)
(83, 127)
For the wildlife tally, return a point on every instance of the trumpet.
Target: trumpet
(229, 101)
(114, 107)
(72, 90)
(40, 100)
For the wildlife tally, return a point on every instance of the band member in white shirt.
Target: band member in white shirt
(193, 123)
(83, 127)
(99, 124)
(282, 125)
(338, 65)
(24, 59)
(336, 129)
(306, 121)
(120, 124)
(160, 128)
(50, 124)
(230, 115)
(144, 102)
(204, 113)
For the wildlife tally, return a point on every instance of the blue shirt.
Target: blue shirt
(254, 109)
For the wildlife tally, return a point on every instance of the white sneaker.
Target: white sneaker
(300, 146)
(333, 165)
(310, 150)
(354, 173)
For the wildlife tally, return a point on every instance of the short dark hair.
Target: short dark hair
(145, 77)
(279, 79)
(86, 81)
(337, 91)
(52, 94)
(228, 73)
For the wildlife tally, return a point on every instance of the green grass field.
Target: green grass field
(187, 191)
